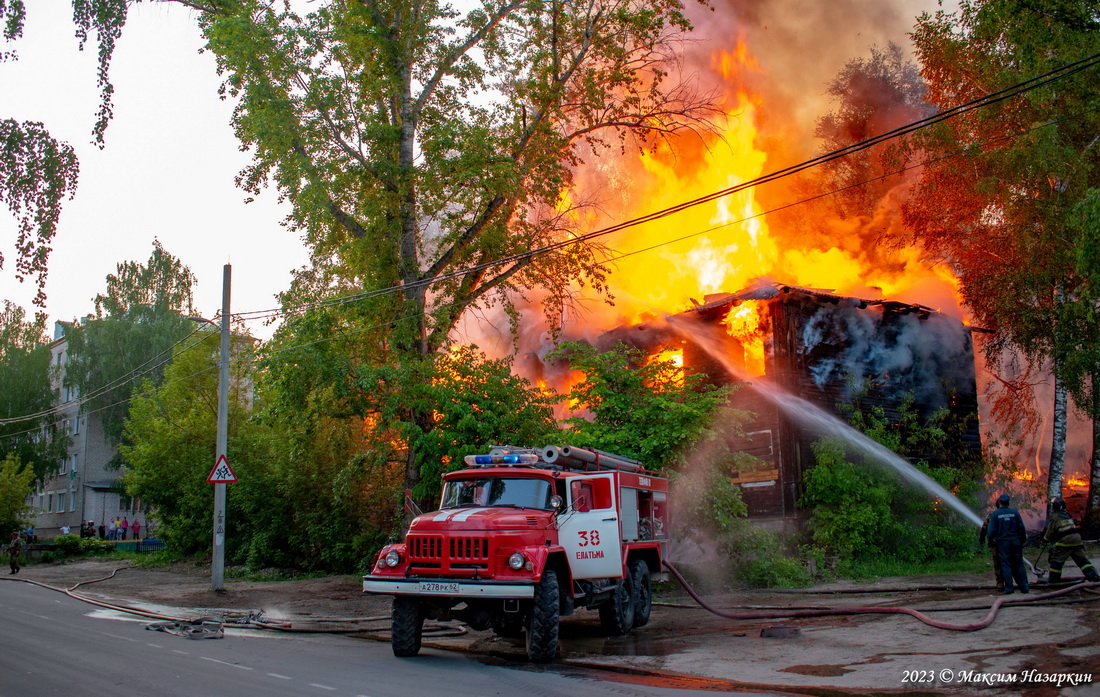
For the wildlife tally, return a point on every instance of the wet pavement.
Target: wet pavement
(1027, 649)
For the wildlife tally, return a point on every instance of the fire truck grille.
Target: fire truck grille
(465, 549)
(425, 548)
(439, 553)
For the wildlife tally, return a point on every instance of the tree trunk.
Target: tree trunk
(1058, 443)
(1092, 505)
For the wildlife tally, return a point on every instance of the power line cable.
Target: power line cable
(1006, 93)
(986, 100)
(114, 384)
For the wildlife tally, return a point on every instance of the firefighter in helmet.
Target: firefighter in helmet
(1065, 543)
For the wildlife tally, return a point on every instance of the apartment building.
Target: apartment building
(85, 485)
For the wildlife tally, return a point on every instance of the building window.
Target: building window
(61, 503)
(75, 461)
(64, 467)
(76, 425)
(49, 503)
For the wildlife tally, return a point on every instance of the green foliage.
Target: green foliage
(777, 571)
(37, 173)
(1016, 176)
(711, 513)
(860, 512)
(850, 503)
(476, 402)
(372, 121)
(16, 481)
(25, 389)
(311, 493)
(648, 408)
(74, 545)
(168, 443)
(139, 319)
(642, 407)
(934, 567)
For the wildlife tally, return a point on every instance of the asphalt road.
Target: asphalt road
(51, 644)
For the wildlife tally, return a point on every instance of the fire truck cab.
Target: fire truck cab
(524, 536)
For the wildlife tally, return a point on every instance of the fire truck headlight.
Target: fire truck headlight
(393, 558)
(516, 561)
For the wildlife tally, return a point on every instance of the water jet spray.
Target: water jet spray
(819, 420)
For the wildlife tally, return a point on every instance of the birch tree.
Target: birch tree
(998, 195)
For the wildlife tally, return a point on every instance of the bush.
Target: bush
(69, 544)
(777, 571)
(74, 546)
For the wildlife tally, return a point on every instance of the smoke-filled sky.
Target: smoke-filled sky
(167, 170)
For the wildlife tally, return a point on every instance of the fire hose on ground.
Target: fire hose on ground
(213, 628)
(827, 612)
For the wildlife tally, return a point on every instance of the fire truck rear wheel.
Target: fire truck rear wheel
(617, 614)
(643, 592)
(542, 629)
(407, 626)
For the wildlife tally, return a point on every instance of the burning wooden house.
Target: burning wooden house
(830, 351)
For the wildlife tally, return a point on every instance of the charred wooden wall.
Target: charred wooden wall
(833, 351)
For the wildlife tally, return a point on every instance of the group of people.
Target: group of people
(117, 529)
(1005, 535)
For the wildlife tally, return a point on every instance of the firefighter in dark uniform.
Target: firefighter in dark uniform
(1065, 543)
(997, 573)
(1006, 533)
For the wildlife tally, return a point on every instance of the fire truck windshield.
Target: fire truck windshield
(514, 492)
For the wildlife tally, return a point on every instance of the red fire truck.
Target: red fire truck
(524, 536)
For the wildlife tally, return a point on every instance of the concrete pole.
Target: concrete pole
(217, 569)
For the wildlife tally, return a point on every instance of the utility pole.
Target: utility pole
(217, 581)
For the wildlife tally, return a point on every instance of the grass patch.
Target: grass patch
(892, 566)
(243, 573)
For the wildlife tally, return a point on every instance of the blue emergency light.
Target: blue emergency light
(525, 459)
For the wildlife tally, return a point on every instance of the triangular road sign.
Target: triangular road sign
(222, 472)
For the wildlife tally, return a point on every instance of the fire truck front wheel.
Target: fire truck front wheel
(542, 627)
(617, 614)
(407, 626)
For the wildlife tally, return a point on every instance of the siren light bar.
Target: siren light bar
(500, 459)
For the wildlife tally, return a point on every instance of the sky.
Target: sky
(166, 172)
(168, 168)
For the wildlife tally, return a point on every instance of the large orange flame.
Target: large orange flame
(726, 244)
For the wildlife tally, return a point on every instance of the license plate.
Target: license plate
(432, 587)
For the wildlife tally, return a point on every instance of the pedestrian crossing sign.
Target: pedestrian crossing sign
(222, 472)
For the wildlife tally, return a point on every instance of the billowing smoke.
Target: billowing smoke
(903, 352)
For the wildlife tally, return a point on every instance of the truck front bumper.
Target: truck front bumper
(446, 587)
